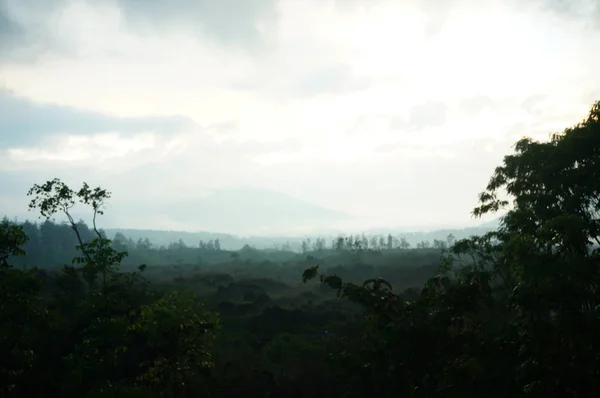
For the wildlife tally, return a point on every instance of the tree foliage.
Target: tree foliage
(113, 338)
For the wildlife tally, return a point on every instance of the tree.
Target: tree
(22, 314)
(450, 239)
(117, 337)
(545, 249)
(12, 238)
(340, 243)
(210, 245)
(120, 242)
(423, 244)
(404, 245)
(304, 246)
(554, 186)
(439, 244)
(319, 245)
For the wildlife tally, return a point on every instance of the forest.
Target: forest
(512, 312)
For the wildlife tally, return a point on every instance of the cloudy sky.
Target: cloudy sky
(394, 111)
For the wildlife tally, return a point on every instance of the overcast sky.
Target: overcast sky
(394, 111)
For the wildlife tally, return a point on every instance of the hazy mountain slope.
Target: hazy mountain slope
(251, 211)
(235, 211)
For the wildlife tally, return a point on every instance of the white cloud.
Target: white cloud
(98, 147)
(107, 152)
(330, 98)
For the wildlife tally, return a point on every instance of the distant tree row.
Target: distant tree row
(121, 242)
(53, 244)
(360, 242)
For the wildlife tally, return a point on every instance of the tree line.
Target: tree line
(363, 241)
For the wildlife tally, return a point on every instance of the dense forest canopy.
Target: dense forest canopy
(513, 312)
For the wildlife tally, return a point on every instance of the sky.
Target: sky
(395, 112)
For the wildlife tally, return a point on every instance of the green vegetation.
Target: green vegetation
(514, 312)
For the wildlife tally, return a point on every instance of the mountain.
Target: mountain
(237, 211)
(253, 211)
